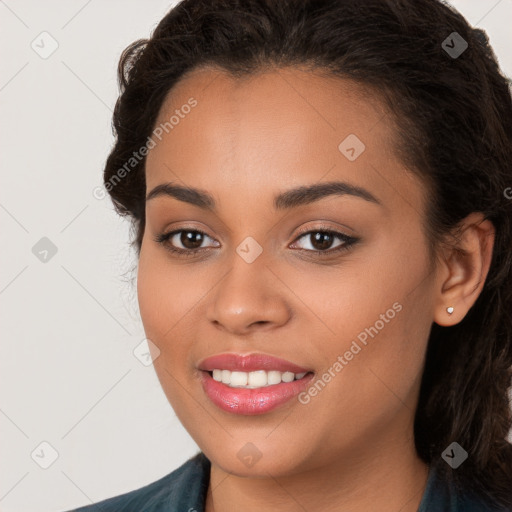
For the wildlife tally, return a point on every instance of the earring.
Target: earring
(449, 310)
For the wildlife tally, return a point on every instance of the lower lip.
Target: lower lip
(252, 401)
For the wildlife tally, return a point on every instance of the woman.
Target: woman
(321, 200)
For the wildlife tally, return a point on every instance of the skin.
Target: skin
(351, 447)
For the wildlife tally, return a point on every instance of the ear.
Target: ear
(463, 269)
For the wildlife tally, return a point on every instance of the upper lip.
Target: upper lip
(249, 363)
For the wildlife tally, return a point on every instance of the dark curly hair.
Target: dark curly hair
(453, 117)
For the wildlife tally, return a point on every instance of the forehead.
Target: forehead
(289, 125)
(266, 98)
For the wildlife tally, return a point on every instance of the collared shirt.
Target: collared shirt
(185, 488)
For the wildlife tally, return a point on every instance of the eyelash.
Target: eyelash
(349, 241)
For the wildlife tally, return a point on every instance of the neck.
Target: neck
(389, 482)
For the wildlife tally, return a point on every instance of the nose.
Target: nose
(248, 299)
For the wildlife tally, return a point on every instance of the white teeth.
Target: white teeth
(239, 379)
(273, 377)
(287, 377)
(256, 379)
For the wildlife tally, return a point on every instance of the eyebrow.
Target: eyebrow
(292, 198)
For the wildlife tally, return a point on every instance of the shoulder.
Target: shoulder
(473, 503)
(444, 496)
(183, 489)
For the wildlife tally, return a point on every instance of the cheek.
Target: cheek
(375, 314)
(163, 294)
(161, 307)
(149, 291)
(171, 300)
(162, 302)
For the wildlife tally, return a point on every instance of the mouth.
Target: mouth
(252, 384)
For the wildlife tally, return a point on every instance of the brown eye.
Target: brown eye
(321, 241)
(186, 242)
(191, 239)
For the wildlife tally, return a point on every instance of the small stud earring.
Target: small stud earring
(449, 310)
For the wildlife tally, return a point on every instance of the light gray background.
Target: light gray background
(69, 326)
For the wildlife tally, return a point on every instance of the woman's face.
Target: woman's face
(269, 279)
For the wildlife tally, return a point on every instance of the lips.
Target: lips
(249, 363)
(251, 401)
